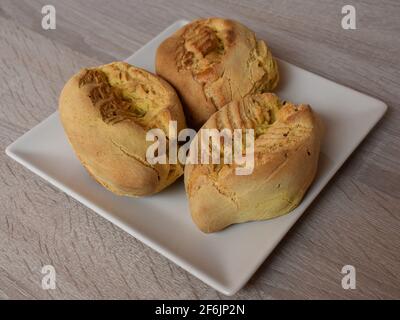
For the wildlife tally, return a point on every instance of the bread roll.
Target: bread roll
(286, 150)
(106, 112)
(211, 62)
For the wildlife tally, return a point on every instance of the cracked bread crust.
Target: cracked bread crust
(286, 152)
(211, 62)
(106, 112)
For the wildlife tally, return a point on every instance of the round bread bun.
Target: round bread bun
(211, 62)
(286, 150)
(106, 112)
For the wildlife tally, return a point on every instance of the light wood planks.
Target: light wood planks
(355, 220)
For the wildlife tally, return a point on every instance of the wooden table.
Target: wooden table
(355, 220)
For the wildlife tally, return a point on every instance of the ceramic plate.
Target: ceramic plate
(227, 259)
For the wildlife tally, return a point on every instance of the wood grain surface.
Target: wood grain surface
(355, 220)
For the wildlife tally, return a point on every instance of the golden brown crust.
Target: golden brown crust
(212, 62)
(106, 112)
(286, 152)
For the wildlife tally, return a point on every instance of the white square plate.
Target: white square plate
(227, 259)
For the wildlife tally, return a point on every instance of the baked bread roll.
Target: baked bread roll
(211, 62)
(106, 112)
(286, 150)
